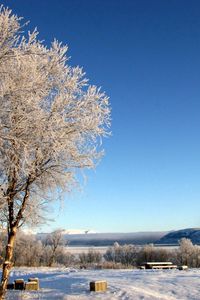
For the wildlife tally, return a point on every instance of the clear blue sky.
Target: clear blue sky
(146, 56)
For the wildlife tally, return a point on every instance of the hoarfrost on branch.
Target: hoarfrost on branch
(51, 120)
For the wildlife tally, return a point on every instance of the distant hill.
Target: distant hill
(108, 239)
(173, 238)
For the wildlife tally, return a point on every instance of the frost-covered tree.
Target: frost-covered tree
(51, 125)
(186, 249)
(28, 250)
(188, 254)
(91, 257)
(54, 240)
(125, 255)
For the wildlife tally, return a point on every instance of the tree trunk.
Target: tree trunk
(52, 258)
(7, 265)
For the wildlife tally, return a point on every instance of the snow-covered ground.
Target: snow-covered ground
(69, 284)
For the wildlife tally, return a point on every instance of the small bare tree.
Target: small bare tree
(91, 257)
(54, 240)
(28, 250)
(51, 123)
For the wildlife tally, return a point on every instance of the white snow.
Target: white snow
(71, 284)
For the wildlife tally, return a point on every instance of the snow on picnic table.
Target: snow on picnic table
(72, 284)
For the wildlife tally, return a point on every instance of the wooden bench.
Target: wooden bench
(98, 286)
(183, 267)
(159, 265)
(19, 284)
(32, 284)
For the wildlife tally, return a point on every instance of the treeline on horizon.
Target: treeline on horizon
(52, 251)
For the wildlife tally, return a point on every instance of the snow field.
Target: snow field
(71, 284)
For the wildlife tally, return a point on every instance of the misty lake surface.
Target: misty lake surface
(102, 249)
